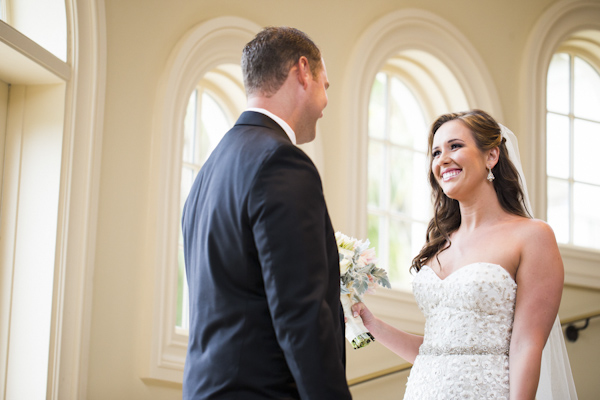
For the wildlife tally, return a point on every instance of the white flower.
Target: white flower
(345, 265)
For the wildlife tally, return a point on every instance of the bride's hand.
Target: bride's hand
(361, 310)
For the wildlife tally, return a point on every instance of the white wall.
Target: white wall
(140, 37)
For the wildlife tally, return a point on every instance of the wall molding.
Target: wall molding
(78, 201)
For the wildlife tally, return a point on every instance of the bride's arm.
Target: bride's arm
(404, 344)
(539, 288)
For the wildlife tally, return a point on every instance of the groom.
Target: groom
(260, 252)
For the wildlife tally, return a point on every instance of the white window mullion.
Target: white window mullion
(571, 151)
(198, 129)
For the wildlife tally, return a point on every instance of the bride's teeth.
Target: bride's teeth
(447, 175)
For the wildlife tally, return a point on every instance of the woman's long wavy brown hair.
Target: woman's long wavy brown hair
(446, 217)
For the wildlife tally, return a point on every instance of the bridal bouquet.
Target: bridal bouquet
(358, 274)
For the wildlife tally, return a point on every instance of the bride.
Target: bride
(489, 278)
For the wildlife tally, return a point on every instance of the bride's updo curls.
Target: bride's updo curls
(446, 217)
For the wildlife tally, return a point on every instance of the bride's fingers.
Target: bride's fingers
(357, 309)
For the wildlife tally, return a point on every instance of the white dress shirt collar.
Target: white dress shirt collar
(284, 125)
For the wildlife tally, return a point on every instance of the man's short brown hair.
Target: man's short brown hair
(268, 58)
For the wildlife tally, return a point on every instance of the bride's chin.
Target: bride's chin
(449, 195)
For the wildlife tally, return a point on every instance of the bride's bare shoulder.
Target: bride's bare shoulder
(528, 229)
(534, 231)
(532, 225)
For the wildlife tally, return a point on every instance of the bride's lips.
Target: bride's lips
(450, 173)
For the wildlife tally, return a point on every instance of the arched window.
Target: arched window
(570, 28)
(201, 93)
(572, 138)
(409, 91)
(200, 96)
(413, 66)
(211, 110)
(398, 210)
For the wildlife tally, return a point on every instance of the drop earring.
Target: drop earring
(490, 176)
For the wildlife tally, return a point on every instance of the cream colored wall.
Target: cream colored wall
(140, 36)
(584, 353)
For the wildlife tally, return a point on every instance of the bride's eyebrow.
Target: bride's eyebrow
(448, 142)
(455, 140)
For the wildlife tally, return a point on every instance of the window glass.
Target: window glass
(399, 244)
(558, 208)
(189, 129)
(377, 107)
(376, 163)
(558, 83)
(214, 124)
(44, 22)
(572, 140)
(586, 144)
(398, 193)
(557, 141)
(587, 90)
(406, 117)
(586, 219)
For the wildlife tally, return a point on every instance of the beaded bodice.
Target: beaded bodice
(469, 312)
(469, 317)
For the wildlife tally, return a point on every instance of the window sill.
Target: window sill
(582, 266)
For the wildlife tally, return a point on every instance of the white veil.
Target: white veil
(556, 379)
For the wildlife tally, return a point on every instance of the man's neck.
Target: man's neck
(272, 104)
(284, 125)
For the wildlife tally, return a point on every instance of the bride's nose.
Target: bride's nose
(444, 157)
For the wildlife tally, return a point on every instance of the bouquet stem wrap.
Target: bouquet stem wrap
(356, 332)
(358, 275)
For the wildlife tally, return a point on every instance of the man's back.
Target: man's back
(262, 269)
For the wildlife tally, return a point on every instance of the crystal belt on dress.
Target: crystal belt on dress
(428, 350)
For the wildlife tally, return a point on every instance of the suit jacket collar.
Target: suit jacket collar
(259, 119)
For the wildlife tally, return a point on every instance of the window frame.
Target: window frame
(83, 76)
(551, 34)
(440, 55)
(397, 33)
(230, 108)
(207, 45)
(4, 11)
(420, 94)
(587, 56)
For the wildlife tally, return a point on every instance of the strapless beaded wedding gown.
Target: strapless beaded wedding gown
(469, 317)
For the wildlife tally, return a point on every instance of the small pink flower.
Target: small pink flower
(367, 256)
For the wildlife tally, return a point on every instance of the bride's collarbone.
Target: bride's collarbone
(462, 254)
(445, 271)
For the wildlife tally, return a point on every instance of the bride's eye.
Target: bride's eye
(455, 146)
(435, 153)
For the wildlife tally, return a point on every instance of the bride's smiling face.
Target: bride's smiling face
(457, 163)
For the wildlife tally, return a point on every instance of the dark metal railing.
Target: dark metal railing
(571, 330)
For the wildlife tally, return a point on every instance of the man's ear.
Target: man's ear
(304, 72)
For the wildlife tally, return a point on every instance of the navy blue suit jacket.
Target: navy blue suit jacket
(263, 273)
